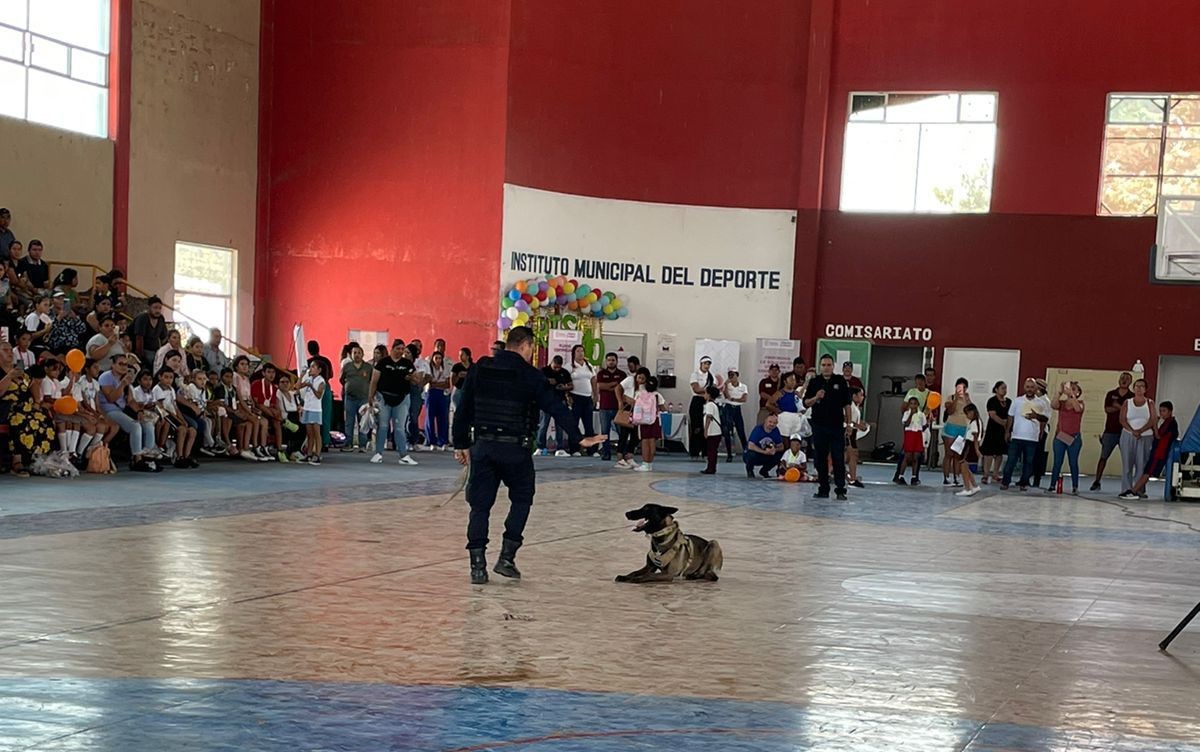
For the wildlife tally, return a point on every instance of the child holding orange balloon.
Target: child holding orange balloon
(49, 392)
(794, 465)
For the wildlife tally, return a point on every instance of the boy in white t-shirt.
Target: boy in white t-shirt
(795, 457)
(312, 386)
(712, 428)
(96, 428)
(185, 436)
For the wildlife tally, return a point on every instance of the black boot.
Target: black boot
(505, 564)
(479, 574)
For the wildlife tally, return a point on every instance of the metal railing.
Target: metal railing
(82, 266)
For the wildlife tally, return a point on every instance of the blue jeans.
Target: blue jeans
(437, 418)
(1025, 451)
(581, 408)
(767, 462)
(141, 438)
(560, 436)
(1072, 452)
(606, 423)
(415, 400)
(398, 416)
(353, 405)
(732, 422)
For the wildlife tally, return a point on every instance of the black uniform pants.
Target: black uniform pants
(696, 443)
(830, 441)
(493, 463)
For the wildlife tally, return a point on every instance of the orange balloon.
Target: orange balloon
(792, 475)
(66, 406)
(520, 285)
(76, 360)
(933, 401)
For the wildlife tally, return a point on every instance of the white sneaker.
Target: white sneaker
(296, 456)
(974, 491)
(576, 454)
(562, 453)
(407, 460)
(378, 458)
(962, 493)
(621, 464)
(645, 467)
(246, 454)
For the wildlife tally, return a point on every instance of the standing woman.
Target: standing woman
(1138, 423)
(1068, 440)
(995, 447)
(458, 374)
(735, 394)
(583, 381)
(953, 427)
(25, 428)
(701, 380)
(437, 403)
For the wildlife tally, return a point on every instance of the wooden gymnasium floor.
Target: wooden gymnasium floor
(247, 607)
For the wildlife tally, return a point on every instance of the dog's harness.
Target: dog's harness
(672, 543)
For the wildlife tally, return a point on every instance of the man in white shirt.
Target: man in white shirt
(213, 355)
(1028, 414)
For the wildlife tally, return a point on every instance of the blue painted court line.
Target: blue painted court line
(140, 715)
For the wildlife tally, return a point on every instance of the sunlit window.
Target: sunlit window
(1151, 150)
(54, 63)
(919, 152)
(204, 289)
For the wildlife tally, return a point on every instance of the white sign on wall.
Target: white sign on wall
(698, 272)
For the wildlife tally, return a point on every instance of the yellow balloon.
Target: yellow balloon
(568, 288)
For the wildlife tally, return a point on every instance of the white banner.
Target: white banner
(698, 272)
(560, 342)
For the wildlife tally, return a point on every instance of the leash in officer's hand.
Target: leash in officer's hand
(462, 481)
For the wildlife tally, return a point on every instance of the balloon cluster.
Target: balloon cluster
(528, 296)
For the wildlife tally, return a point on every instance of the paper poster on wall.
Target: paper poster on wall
(779, 352)
(560, 342)
(725, 354)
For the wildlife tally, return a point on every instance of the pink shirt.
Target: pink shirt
(1069, 420)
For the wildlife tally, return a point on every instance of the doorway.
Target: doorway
(892, 372)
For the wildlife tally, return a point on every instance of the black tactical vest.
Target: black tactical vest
(505, 408)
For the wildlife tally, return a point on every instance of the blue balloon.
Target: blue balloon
(612, 316)
(597, 307)
(622, 312)
(514, 295)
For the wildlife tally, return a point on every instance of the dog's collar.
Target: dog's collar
(667, 530)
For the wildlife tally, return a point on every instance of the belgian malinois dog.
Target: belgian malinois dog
(672, 554)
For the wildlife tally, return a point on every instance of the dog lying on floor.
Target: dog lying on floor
(672, 552)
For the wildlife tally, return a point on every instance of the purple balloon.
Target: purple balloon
(504, 323)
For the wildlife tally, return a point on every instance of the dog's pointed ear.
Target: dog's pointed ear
(669, 511)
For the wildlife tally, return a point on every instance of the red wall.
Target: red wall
(393, 126)
(676, 101)
(384, 123)
(1086, 299)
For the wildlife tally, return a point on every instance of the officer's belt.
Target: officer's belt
(502, 439)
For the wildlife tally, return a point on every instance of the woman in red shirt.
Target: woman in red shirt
(1067, 441)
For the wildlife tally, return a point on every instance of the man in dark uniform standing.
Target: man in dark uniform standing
(828, 400)
(501, 399)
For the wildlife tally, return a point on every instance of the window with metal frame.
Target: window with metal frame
(1151, 150)
(919, 152)
(54, 63)
(205, 281)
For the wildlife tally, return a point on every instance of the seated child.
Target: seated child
(794, 457)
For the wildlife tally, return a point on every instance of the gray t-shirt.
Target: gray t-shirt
(116, 350)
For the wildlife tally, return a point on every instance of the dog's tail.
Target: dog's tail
(715, 556)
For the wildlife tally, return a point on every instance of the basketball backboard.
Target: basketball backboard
(1175, 258)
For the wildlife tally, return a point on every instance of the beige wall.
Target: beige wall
(194, 137)
(59, 186)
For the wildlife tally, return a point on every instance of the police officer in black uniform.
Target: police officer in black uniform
(828, 399)
(500, 402)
